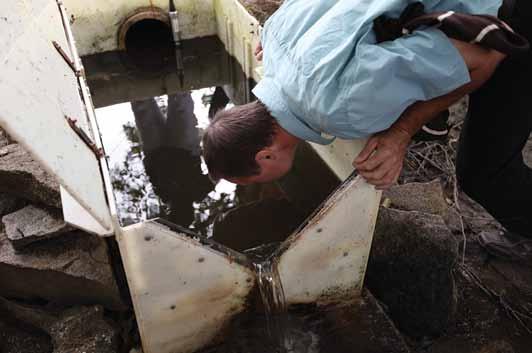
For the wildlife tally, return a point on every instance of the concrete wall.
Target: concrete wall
(97, 22)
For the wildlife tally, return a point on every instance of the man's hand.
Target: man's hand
(381, 160)
(259, 52)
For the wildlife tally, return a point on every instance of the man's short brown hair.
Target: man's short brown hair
(234, 137)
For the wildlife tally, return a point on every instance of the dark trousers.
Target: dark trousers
(490, 166)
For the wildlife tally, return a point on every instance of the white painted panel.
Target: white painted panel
(340, 155)
(38, 89)
(97, 22)
(239, 31)
(326, 261)
(75, 215)
(183, 292)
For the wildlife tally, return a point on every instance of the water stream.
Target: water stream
(273, 300)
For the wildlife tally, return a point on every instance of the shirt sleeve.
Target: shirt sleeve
(382, 80)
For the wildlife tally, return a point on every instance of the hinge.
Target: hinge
(98, 152)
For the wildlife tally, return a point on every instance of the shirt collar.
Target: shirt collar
(270, 95)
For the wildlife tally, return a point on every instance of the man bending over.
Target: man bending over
(332, 69)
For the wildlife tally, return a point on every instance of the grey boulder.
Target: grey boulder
(32, 224)
(22, 176)
(410, 270)
(72, 269)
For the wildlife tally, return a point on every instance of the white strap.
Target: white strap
(484, 32)
(445, 15)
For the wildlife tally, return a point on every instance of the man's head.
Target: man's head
(245, 145)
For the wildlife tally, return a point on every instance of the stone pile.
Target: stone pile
(56, 283)
(412, 259)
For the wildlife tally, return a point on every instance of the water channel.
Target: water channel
(151, 122)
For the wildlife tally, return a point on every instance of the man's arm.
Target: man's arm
(381, 160)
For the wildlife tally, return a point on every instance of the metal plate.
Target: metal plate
(38, 89)
(184, 291)
(326, 260)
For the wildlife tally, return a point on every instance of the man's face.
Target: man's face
(273, 164)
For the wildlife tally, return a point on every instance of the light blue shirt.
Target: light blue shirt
(324, 73)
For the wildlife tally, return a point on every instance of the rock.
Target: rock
(4, 139)
(83, 330)
(363, 325)
(22, 176)
(10, 204)
(75, 330)
(422, 197)
(410, 270)
(32, 224)
(497, 347)
(72, 269)
(20, 339)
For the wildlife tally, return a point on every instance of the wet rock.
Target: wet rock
(10, 204)
(365, 326)
(410, 270)
(72, 269)
(22, 176)
(32, 224)
(75, 330)
(422, 197)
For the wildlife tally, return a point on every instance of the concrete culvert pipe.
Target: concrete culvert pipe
(146, 38)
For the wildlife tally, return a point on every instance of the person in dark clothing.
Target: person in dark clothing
(172, 154)
(490, 166)
(219, 101)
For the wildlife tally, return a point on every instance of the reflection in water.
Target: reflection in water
(172, 154)
(159, 173)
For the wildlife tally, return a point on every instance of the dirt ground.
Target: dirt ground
(262, 9)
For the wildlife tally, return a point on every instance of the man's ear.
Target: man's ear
(265, 155)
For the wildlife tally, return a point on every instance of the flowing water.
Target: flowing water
(273, 300)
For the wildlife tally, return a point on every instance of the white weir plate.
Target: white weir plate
(184, 292)
(326, 261)
(38, 89)
(75, 215)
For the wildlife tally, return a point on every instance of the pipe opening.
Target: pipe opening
(147, 39)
